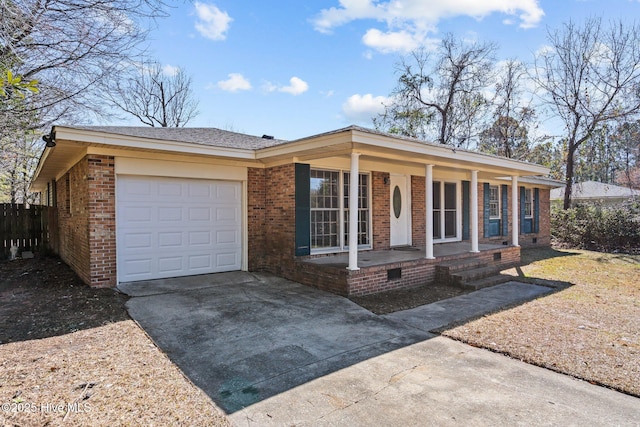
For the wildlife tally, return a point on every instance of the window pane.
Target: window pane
(324, 209)
(363, 208)
(494, 201)
(450, 224)
(436, 224)
(528, 202)
(449, 196)
(436, 195)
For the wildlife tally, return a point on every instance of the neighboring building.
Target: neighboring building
(595, 192)
(145, 203)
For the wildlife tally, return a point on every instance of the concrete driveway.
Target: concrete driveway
(273, 352)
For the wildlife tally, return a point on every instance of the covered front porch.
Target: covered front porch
(401, 254)
(375, 212)
(381, 270)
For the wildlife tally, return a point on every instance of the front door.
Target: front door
(400, 211)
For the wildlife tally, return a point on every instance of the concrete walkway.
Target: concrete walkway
(431, 317)
(273, 352)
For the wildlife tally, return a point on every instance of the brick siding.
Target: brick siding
(279, 230)
(418, 211)
(73, 219)
(101, 180)
(86, 220)
(256, 219)
(542, 238)
(381, 226)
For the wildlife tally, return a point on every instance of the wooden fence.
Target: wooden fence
(25, 227)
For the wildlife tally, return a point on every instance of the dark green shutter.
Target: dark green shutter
(505, 210)
(522, 209)
(485, 209)
(303, 209)
(465, 210)
(536, 210)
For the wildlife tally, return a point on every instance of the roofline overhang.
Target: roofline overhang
(539, 180)
(414, 150)
(336, 143)
(135, 142)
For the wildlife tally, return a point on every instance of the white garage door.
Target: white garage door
(169, 227)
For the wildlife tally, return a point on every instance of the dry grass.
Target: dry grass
(590, 330)
(70, 355)
(114, 373)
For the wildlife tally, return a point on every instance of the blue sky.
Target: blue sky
(294, 68)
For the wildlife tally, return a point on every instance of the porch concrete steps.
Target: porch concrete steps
(460, 265)
(486, 282)
(446, 270)
(470, 273)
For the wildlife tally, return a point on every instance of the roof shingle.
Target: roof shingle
(204, 136)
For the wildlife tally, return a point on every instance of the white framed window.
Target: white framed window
(447, 222)
(494, 202)
(330, 210)
(528, 203)
(325, 208)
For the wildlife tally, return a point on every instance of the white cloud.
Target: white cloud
(409, 21)
(212, 23)
(170, 70)
(296, 87)
(234, 83)
(362, 108)
(398, 41)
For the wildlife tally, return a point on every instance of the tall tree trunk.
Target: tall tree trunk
(443, 128)
(568, 189)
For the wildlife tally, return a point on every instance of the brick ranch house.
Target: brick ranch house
(136, 203)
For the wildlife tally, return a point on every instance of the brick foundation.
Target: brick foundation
(371, 280)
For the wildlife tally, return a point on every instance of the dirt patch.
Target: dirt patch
(70, 355)
(404, 299)
(43, 297)
(590, 330)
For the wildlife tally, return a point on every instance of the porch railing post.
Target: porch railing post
(353, 212)
(474, 211)
(515, 229)
(429, 211)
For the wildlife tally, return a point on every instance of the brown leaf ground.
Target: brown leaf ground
(590, 330)
(70, 355)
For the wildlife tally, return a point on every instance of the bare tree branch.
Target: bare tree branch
(589, 76)
(153, 97)
(439, 95)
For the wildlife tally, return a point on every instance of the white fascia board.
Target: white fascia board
(35, 184)
(102, 138)
(537, 180)
(447, 152)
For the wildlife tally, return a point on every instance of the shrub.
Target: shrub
(597, 227)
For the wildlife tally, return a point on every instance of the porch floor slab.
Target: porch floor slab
(402, 254)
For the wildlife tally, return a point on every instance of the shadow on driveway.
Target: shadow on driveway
(243, 338)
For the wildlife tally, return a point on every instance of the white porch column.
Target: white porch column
(474, 212)
(353, 212)
(429, 211)
(515, 211)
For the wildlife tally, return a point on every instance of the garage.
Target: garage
(170, 227)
